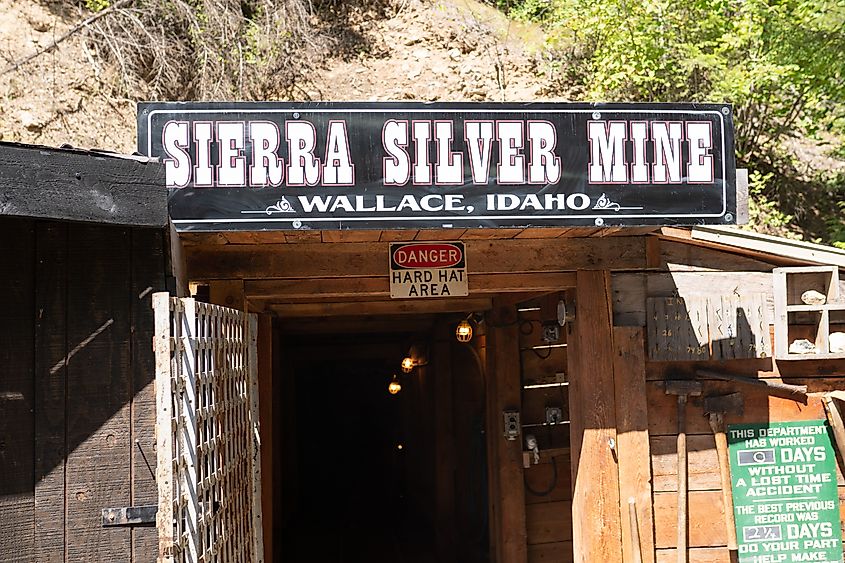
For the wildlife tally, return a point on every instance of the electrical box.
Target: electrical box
(512, 425)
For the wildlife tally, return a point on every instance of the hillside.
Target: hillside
(421, 51)
(451, 50)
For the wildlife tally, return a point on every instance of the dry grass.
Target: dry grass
(210, 49)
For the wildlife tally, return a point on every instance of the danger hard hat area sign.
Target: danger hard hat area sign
(428, 269)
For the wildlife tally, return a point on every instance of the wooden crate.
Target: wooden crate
(795, 319)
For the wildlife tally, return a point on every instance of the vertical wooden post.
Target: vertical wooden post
(164, 427)
(265, 419)
(596, 533)
(632, 445)
(444, 443)
(255, 441)
(505, 462)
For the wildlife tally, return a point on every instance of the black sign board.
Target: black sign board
(328, 166)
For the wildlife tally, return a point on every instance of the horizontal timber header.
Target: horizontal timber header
(504, 256)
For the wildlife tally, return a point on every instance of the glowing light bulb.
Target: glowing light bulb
(394, 386)
(407, 364)
(464, 331)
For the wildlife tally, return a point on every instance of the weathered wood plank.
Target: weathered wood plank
(544, 365)
(739, 326)
(267, 429)
(350, 236)
(370, 259)
(148, 277)
(283, 290)
(596, 530)
(76, 185)
(398, 235)
(663, 416)
(536, 399)
(550, 480)
(549, 522)
(99, 390)
(506, 456)
(633, 457)
(396, 307)
(17, 348)
(632, 289)
(677, 328)
(696, 555)
(163, 427)
(558, 552)
(678, 256)
(439, 234)
(702, 463)
(51, 345)
(706, 519)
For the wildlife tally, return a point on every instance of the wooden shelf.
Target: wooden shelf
(819, 308)
(796, 320)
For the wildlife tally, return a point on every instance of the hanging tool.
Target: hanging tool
(683, 389)
(635, 531)
(716, 409)
(775, 388)
(834, 418)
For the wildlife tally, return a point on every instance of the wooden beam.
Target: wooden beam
(228, 293)
(379, 286)
(632, 443)
(266, 427)
(370, 259)
(595, 479)
(505, 390)
(178, 267)
(77, 185)
(396, 307)
(359, 325)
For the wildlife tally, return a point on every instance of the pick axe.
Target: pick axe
(683, 389)
(716, 409)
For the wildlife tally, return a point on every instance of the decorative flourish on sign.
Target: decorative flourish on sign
(604, 202)
(281, 206)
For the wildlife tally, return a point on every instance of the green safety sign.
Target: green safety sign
(784, 488)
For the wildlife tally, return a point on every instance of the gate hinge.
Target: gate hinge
(130, 516)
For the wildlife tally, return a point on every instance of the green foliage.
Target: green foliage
(779, 62)
(97, 5)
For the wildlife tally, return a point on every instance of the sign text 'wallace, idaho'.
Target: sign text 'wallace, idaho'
(251, 166)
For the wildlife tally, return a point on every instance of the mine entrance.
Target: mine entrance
(369, 475)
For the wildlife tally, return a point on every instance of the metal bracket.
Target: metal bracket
(130, 516)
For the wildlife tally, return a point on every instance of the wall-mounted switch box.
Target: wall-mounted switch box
(512, 425)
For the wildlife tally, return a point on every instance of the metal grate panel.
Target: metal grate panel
(207, 433)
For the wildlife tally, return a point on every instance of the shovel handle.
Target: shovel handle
(717, 424)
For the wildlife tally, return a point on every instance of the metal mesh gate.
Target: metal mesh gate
(208, 471)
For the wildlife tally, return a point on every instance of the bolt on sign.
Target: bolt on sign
(428, 269)
(268, 165)
(785, 496)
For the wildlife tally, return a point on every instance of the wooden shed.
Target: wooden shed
(595, 387)
(84, 248)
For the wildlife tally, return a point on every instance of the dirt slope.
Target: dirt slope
(460, 50)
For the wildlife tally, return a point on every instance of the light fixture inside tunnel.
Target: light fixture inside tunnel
(408, 364)
(394, 386)
(463, 332)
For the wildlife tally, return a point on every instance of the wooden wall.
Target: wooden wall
(690, 271)
(548, 484)
(77, 405)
